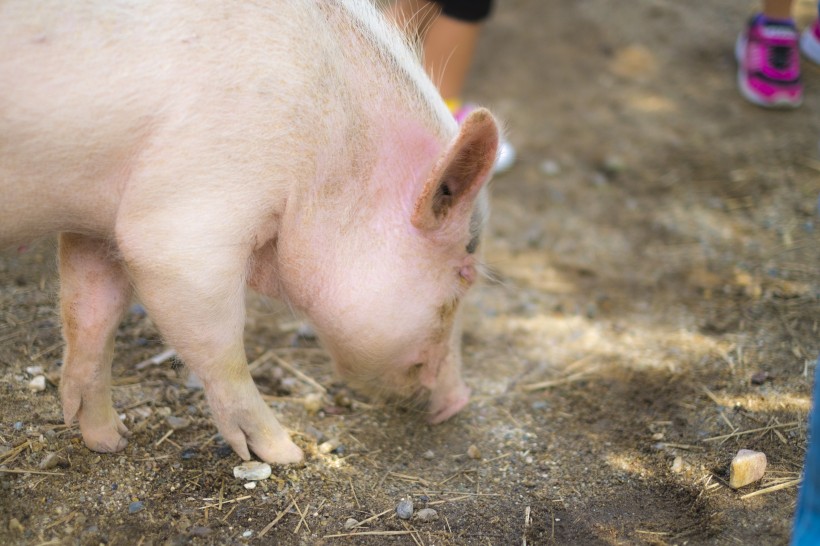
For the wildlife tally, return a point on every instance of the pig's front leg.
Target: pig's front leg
(94, 293)
(191, 280)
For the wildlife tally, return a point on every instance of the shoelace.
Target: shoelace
(780, 57)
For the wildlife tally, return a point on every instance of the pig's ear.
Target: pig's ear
(459, 173)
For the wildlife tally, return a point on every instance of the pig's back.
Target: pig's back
(93, 93)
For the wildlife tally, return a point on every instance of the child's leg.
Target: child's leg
(777, 9)
(448, 53)
(449, 33)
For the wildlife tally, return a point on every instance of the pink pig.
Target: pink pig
(184, 150)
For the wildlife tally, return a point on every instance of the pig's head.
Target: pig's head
(381, 274)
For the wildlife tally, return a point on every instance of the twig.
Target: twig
(772, 489)
(526, 525)
(711, 396)
(165, 437)
(167, 354)
(309, 380)
(237, 499)
(353, 490)
(467, 496)
(752, 431)
(301, 516)
(61, 520)
(24, 471)
(371, 533)
(279, 516)
(47, 350)
(556, 382)
(371, 518)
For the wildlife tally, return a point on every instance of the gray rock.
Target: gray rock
(49, 461)
(351, 523)
(426, 514)
(135, 507)
(177, 423)
(405, 509)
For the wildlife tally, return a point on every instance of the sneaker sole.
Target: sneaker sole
(810, 46)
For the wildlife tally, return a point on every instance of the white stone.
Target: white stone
(252, 471)
(38, 384)
(747, 467)
(34, 370)
(250, 485)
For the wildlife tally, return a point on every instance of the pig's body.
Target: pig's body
(184, 149)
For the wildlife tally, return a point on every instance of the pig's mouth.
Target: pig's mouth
(442, 407)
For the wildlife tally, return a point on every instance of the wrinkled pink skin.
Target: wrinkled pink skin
(184, 150)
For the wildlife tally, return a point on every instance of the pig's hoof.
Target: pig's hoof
(106, 445)
(104, 434)
(282, 452)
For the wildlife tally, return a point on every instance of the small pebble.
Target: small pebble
(223, 451)
(135, 507)
(247, 534)
(315, 433)
(250, 485)
(15, 526)
(189, 453)
(550, 167)
(473, 452)
(427, 514)
(199, 531)
(34, 370)
(404, 510)
(252, 471)
(49, 461)
(313, 402)
(328, 447)
(38, 384)
(677, 465)
(760, 377)
(177, 423)
(429, 455)
(18, 425)
(351, 523)
(747, 467)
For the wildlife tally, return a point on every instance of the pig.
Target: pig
(184, 151)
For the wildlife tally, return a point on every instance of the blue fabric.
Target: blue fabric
(806, 531)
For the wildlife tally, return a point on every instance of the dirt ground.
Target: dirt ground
(654, 307)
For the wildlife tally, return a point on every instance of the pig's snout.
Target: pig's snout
(445, 404)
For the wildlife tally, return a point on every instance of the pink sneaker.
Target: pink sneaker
(769, 64)
(810, 42)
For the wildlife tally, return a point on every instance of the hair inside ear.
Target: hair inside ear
(460, 172)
